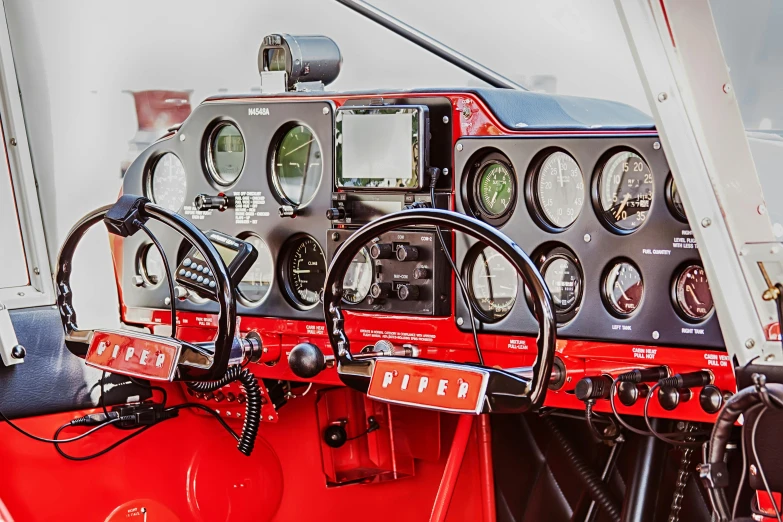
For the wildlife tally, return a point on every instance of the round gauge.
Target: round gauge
(496, 188)
(493, 283)
(256, 284)
(226, 153)
(151, 266)
(358, 278)
(297, 165)
(167, 183)
(559, 190)
(625, 191)
(623, 288)
(564, 280)
(692, 293)
(305, 271)
(674, 200)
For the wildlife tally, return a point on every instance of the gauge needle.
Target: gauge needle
(299, 147)
(622, 206)
(301, 271)
(693, 294)
(492, 203)
(560, 172)
(622, 290)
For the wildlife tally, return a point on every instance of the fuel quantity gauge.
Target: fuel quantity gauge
(692, 294)
(623, 288)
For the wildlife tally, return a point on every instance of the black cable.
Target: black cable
(589, 415)
(99, 453)
(744, 475)
(458, 276)
(195, 405)
(64, 441)
(665, 436)
(758, 463)
(169, 278)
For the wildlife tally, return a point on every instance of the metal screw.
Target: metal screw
(753, 470)
(460, 147)
(657, 145)
(680, 426)
(445, 119)
(466, 112)
(761, 209)
(228, 414)
(181, 137)
(587, 238)
(325, 110)
(36, 270)
(13, 142)
(770, 357)
(656, 335)
(726, 88)
(18, 352)
(270, 418)
(445, 172)
(706, 222)
(20, 294)
(750, 343)
(662, 97)
(460, 321)
(335, 236)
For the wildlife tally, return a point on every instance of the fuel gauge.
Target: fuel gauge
(692, 293)
(623, 288)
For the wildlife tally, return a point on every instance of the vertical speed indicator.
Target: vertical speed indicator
(304, 271)
(625, 191)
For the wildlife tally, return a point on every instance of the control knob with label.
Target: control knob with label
(380, 290)
(407, 253)
(381, 251)
(335, 213)
(407, 292)
(421, 272)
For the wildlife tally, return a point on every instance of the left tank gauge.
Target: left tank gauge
(167, 183)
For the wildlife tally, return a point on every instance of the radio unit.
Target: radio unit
(358, 208)
(238, 256)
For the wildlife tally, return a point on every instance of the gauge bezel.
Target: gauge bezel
(141, 266)
(468, 266)
(288, 250)
(669, 193)
(207, 148)
(372, 280)
(605, 297)
(472, 181)
(274, 178)
(543, 258)
(149, 174)
(531, 192)
(242, 298)
(685, 316)
(595, 190)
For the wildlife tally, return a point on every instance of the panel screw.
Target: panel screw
(20, 294)
(13, 142)
(587, 238)
(181, 137)
(753, 470)
(656, 335)
(445, 172)
(325, 110)
(657, 145)
(36, 270)
(445, 119)
(706, 222)
(726, 88)
(770, 357)
(270, 418)
(18, 352)
(335, 236)
(460, 321)
(662, 97)
(750, 343)
(680, 426)
(460, 147)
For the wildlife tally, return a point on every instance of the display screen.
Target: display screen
(227, 254)
(369, 210)
(379, 147)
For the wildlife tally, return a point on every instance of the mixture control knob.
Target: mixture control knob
(711, 399)
(670, 397)
(335, 213)
(380, 290)
(421, 272)
(306, 360)
(381, 251)
(407, 253)
(406, 292)
(591, 388)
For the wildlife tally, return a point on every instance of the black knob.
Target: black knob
(335, 436)
(591, 388)
(219, 202)
(421, 272)
(335, 213)
(406, 292)
(629, 392)
(306, 360)
(407, 253)
(18, 352)
(670, 397)
(711, 399)
(381, 251)
(380, 290)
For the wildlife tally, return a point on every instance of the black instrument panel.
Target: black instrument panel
(620, 264)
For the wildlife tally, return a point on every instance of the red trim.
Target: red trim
(668, 25)
(486, 472)
(451, 472)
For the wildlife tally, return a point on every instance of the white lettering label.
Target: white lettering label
(405, 379)
(463, 390)
(116, 351)
(101, 348)
(423, 384)
(258, 111)
(129, 353)
(387, 379)
(442, 385)
(143, 358)
(160, 360)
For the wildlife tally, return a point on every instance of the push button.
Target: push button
(188, 273)
(187, 262)
(199, 279)
(182, 271)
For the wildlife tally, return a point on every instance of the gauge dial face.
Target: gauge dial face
(358, 278)
(623, 288)
(560, 190)
(226, 154)
(297, 165)
(168, 184)
(564, 281)
(676, 201)
(151, 265)
(692, 293)
(496, 188)
(256, 284)
(305, 271)
(625, 191)
(493, 284)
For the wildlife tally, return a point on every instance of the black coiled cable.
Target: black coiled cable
(592, 481)
(252, 406)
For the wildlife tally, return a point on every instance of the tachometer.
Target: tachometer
(304, 270)
(623, 288)
(255, 286)
(692, 293)
(297, 165)
(167, 184)
(492, 282)
(559, 190)
(496, 188)
(625, 191)
(358, 278)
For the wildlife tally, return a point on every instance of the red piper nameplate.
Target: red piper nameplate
(131, 353)
(429, 384)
